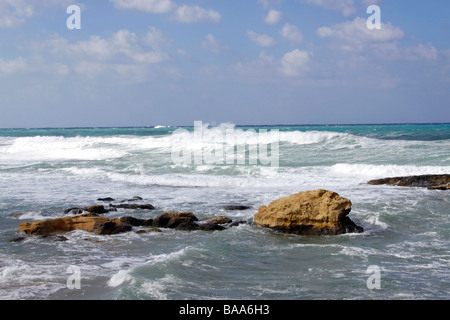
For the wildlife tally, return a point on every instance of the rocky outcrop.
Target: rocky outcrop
(88, 222)
(173, 219)
(137, 222)
(97, 209)
(318, 212)
(439, 181)
(218, 220)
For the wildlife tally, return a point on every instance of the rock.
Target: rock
(441, 187)
(73, 209)
(88, 222)
(211, 227)
(137, 222)
(133, 206)
(218, 220)
(188, 226)
(173, 219)
(148, 230)
(108, 199)
(97, 209)
(76, 211)
(56, 237)
(236, 207)
(192, 226)
(136, 198)
(318, 212)
(426, 181)
(237, 223)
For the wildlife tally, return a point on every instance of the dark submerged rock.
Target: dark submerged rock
(137, 222)
(108, 199)
(173, 219)
(99, 209)
(236, 207)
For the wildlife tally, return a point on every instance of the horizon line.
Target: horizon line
(237, 125)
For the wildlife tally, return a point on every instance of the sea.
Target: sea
(403, 253)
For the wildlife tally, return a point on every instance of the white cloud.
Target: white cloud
(14, 12)
(196, 14)
(152, 6)
(123, 45)
(295, 63)
(210, 43)
(267, 3)
(262, 40)
(260, 68)
(354, 35)
(124, 52)
(292, 34)
(273, 17)
(10, 67)
(346, 7)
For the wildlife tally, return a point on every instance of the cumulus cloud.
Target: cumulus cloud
(346, 7)
(123, 52)
(152, 6)
(292, 33)
(273, 17)
(122, 45)
(183, 14)
(210, 43)
(262, 40)
(196, 14)
(356, 32)
(14, 12)
(354, 37)
(10, 67)
(267, 3)
(295, 63)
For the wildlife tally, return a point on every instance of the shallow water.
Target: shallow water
(44, 171)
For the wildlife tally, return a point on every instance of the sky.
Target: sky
(251, 62)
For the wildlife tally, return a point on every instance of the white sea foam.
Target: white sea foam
(119, 278)
(382, 171)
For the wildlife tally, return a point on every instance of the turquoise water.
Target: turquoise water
(44, 171)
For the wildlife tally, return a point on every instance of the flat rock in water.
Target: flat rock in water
(133, 206)
(108, 199)
(88, 222)
(440, 181)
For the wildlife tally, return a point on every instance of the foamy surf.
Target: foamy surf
(43, 172)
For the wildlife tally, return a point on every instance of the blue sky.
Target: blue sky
(173, 62)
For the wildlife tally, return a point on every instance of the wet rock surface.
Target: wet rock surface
(318, 212)
(439, 181)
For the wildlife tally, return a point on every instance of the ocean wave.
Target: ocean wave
(383, 171)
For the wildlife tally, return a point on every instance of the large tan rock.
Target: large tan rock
(88, 222)
(318, 212)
